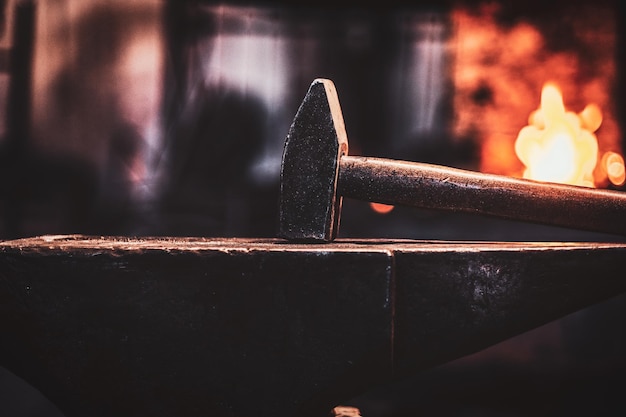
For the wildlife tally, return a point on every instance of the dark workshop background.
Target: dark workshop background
(148, 118)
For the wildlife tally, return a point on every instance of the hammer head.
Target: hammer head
(309, 205)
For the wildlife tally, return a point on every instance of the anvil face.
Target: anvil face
(240, 327)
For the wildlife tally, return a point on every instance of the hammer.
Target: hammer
(316, 172)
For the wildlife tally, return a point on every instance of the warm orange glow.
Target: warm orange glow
(381, 208)
(613, 164)
(499, 66)
(559, 145)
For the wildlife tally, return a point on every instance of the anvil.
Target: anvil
(113, 326)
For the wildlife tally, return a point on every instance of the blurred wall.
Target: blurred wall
(173, 114)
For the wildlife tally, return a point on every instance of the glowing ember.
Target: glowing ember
(381, 208)
(559, 145)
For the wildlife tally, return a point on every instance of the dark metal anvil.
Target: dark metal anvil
(260, 327)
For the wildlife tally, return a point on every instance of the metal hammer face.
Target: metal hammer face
(316, 172)
(309, 204)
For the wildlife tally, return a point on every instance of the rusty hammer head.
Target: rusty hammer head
(309, 204)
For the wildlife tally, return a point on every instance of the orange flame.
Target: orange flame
(560, 146)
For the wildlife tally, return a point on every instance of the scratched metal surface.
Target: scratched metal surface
(235, 327)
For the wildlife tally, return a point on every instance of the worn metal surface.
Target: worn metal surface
(443, 188)
(317, 173)
(248, 327)
(180, 327)
(309, 206)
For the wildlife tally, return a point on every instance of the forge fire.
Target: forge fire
(503, 64)
(560, 146)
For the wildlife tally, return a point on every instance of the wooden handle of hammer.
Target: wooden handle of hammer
(443, 188)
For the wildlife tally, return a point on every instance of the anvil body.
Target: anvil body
(112, 326)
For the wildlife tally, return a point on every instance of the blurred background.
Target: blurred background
(156, 117)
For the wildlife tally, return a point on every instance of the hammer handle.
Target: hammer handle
(443, 188)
